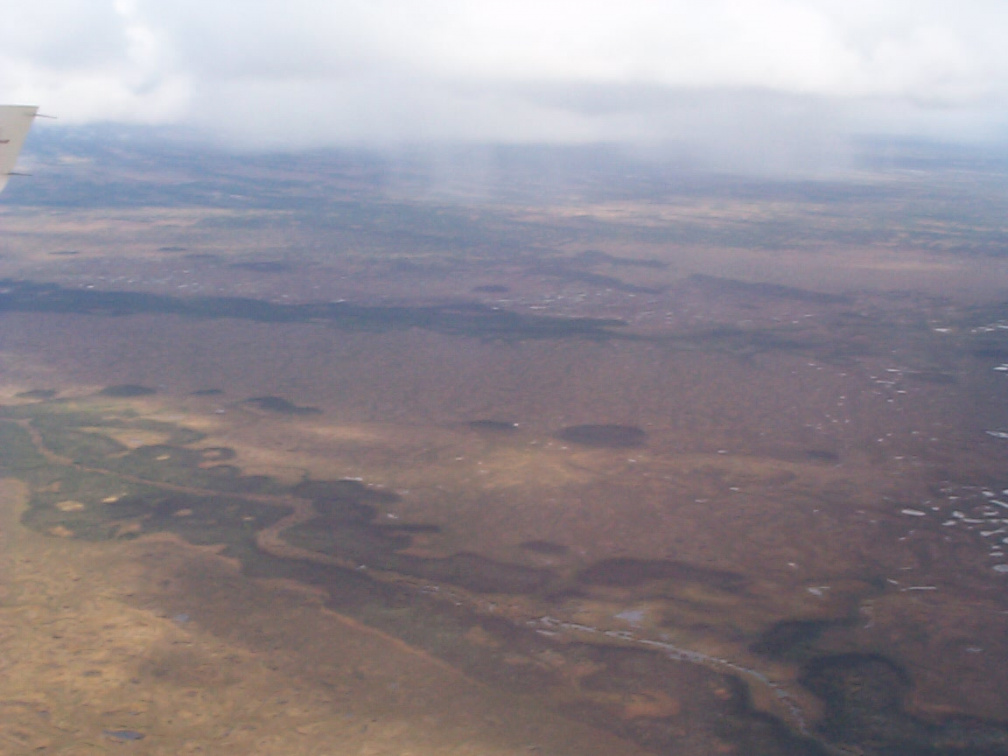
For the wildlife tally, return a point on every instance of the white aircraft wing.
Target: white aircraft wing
(15, 120)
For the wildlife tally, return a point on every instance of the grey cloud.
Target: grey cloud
(766, 73)
(62, 35)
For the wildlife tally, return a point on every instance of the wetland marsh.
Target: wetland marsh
(685, 474)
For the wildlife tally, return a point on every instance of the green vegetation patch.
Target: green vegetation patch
(87, 484)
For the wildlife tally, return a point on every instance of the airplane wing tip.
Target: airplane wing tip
(15, 120)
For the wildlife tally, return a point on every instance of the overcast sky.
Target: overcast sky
(744, 75)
